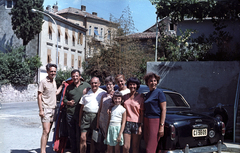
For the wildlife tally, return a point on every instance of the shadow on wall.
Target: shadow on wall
(5, 45)
(164, 68)
(206, 95)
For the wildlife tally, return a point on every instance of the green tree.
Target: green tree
(26, 24)
(182, 47)
(62, 75)
(17, 68)
(174, 48)
(125, 55)
(177, 10)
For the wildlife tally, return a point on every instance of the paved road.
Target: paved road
(20, 128)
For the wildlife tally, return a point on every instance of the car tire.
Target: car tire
(221, 114)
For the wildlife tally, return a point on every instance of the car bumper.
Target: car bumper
(218, 147)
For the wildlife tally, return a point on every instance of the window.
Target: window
(59, 33)
(73, 38)
(90, 28)
(49, 58)
(66, 36)
(109, 35)
(80, 38)
(171, 26)
(73, 41)
(9, 4)
(101, 33)
(50, 30)
(49, 33)
(66, 39)
(59, 37)
(79, 62)
(72, 61)
(96, 31)
(65, 59)
(58, 57)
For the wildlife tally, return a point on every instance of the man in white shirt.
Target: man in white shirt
(88, 112)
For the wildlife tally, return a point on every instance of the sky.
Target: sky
(143, 12)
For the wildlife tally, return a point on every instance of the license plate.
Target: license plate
(199, 132)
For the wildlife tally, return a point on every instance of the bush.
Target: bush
(16, 68)
(62, 75)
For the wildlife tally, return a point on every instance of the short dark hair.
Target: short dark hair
(49, 65)
(133, 80)
(150, 75)
(110, 79)
(74, 71)
(117, 94)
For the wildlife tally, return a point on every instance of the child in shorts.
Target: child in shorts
(116, 124)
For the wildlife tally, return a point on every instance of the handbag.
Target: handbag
(96, 135)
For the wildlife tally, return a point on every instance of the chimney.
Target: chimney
(55, 8)
(48, 8)
(83, 8)
(94, 13)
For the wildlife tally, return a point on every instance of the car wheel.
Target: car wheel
(222, 116)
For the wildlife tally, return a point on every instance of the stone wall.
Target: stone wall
(9, 93)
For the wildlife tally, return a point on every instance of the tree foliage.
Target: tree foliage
(182, 47)
(26, 24)
(174, 48)
(62, 75)
(125, 23)
(17, 68)
(124, 56)
(177, 10)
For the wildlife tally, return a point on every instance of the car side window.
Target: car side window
(174, 100)
(169, 100)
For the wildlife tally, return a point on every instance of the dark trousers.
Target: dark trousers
(73, 133)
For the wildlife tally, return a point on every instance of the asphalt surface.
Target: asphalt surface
(21, 129)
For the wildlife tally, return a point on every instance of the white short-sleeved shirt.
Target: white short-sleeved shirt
(92, 100)
(124, 92)
(116, 115)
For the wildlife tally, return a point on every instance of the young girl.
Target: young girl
(116, 124)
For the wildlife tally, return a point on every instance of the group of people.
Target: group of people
(122, 115)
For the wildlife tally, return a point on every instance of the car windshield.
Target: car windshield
(175, 100)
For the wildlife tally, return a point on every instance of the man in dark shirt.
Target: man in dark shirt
(73, 94)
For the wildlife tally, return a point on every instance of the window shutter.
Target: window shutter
(72, 61)
(65, 59)
(49, 58)
(79, 62)
(81, 38)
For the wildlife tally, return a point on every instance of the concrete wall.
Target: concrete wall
(9, 93)
(206, 27)
(203, 84)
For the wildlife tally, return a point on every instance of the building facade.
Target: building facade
(100, 31)
(69, 38)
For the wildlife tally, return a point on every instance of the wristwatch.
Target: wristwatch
(162, 124)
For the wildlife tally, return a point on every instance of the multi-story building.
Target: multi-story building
(100, 31)
(68, 36)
